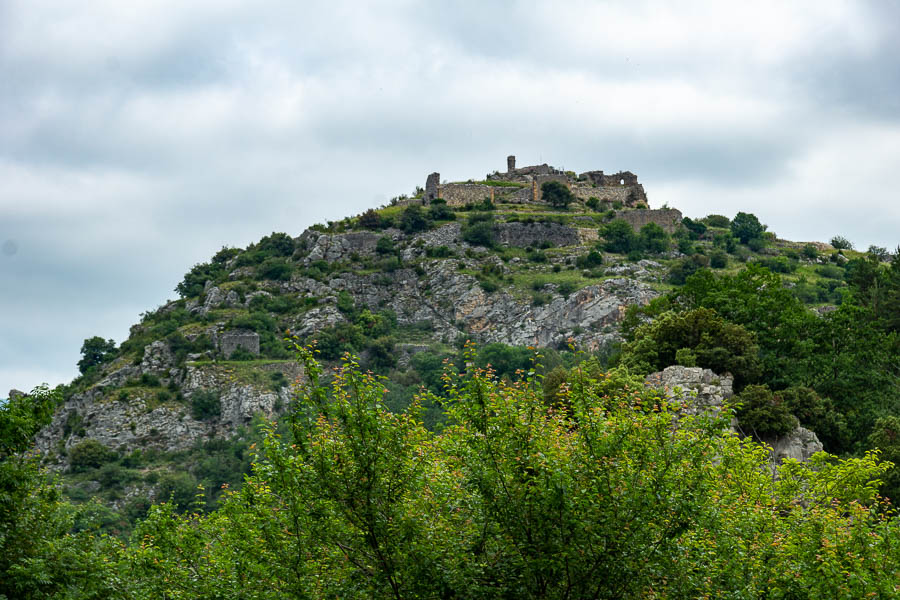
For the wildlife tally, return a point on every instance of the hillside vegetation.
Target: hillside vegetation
(201, 458)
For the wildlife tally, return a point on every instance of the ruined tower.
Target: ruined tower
(431, 188)
(510, 163)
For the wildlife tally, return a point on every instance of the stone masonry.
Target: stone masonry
(230, 341)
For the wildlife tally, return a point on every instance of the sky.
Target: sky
(137, 138)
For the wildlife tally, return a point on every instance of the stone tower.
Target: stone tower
(510, 163)
(431, 188)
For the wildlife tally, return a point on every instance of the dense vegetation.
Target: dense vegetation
(600, 495)
(503, 478)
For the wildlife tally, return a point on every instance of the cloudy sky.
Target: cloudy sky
(137, 138)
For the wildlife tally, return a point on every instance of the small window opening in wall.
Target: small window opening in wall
(621, 182)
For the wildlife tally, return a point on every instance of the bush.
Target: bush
(566, 288)
(556, 194)
(370, 220)
(746, 227)
(590, 260)
(756, 244)
(695, 227)
(479, 231)
(439, 211)
(206, 405)
(385, 245)
(620, 237)
(717, 221)
(593, 203)
(96, 351)
(810, 252)
(89, 454)
(653, 238)
(414, 220)
(488, 285)
(763, 414)
(841, 243)
(275, 269)
(718, 259)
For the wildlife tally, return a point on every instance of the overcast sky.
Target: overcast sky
(139, 137)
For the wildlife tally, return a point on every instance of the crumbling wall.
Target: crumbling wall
(432, 184)
(229, 341)
(460, 194)
(667, 218)
(533, 234)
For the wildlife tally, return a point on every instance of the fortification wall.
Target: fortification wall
(230, 341)
(533, 234)
(460, 194)
(604, 194)
(667, 218)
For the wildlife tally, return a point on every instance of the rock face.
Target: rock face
(126, 418)
(702, 391)
(800, 444)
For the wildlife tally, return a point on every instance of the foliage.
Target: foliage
(596, 495)
(439, 211)
(718, 345)
(89, 454)
(205, 405)
(839, 242)
(479, 230)
(96, 351)
(652, 238)
(619, 236)
(370, 220)
(556, 194)
(385, 245)
(414, 220)
(590, 260)
(717, 221)
(696, 228)
(764, 414)
(746, 227)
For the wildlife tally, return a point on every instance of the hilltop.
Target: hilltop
(532, 257)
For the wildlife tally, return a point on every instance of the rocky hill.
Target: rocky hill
(403, 287)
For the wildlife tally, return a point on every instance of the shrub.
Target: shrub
(593, 203)
(620, 237)
(385, 245)
(685, 357)
(479, 231)
(89, 454)
(746, 227)
(439, 211)
(488, 285)
(275, 269)
(810, 252)
(841, 243)
(717, 221)
(414, 220)
(370, 220)
(566, 287)
(206, 405)
(718, 259)
(556, 194)
(653, 238)
(756, 244)
(590, 260)
(763, 414)
(695, 227)
(149, 380)
(96, 351)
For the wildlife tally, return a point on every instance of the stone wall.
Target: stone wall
(533, 234)
(460, 194)
(229, 341)
(667, 218)
(432, 183)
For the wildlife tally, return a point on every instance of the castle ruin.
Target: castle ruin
(523, 185)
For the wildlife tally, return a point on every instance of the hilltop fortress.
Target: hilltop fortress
(523, 185)
(620, 192)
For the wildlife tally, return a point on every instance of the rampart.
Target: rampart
(533, 234)
(460, 194)
(229, 341)
(667, 218)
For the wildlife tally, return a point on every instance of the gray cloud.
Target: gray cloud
(138, 138)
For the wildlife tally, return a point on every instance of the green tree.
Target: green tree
(746, 227)
(715, 343)
(96, 351)
(556, 194)
(619, 237)
(413, 219)
(653, 238)
(839, 242)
